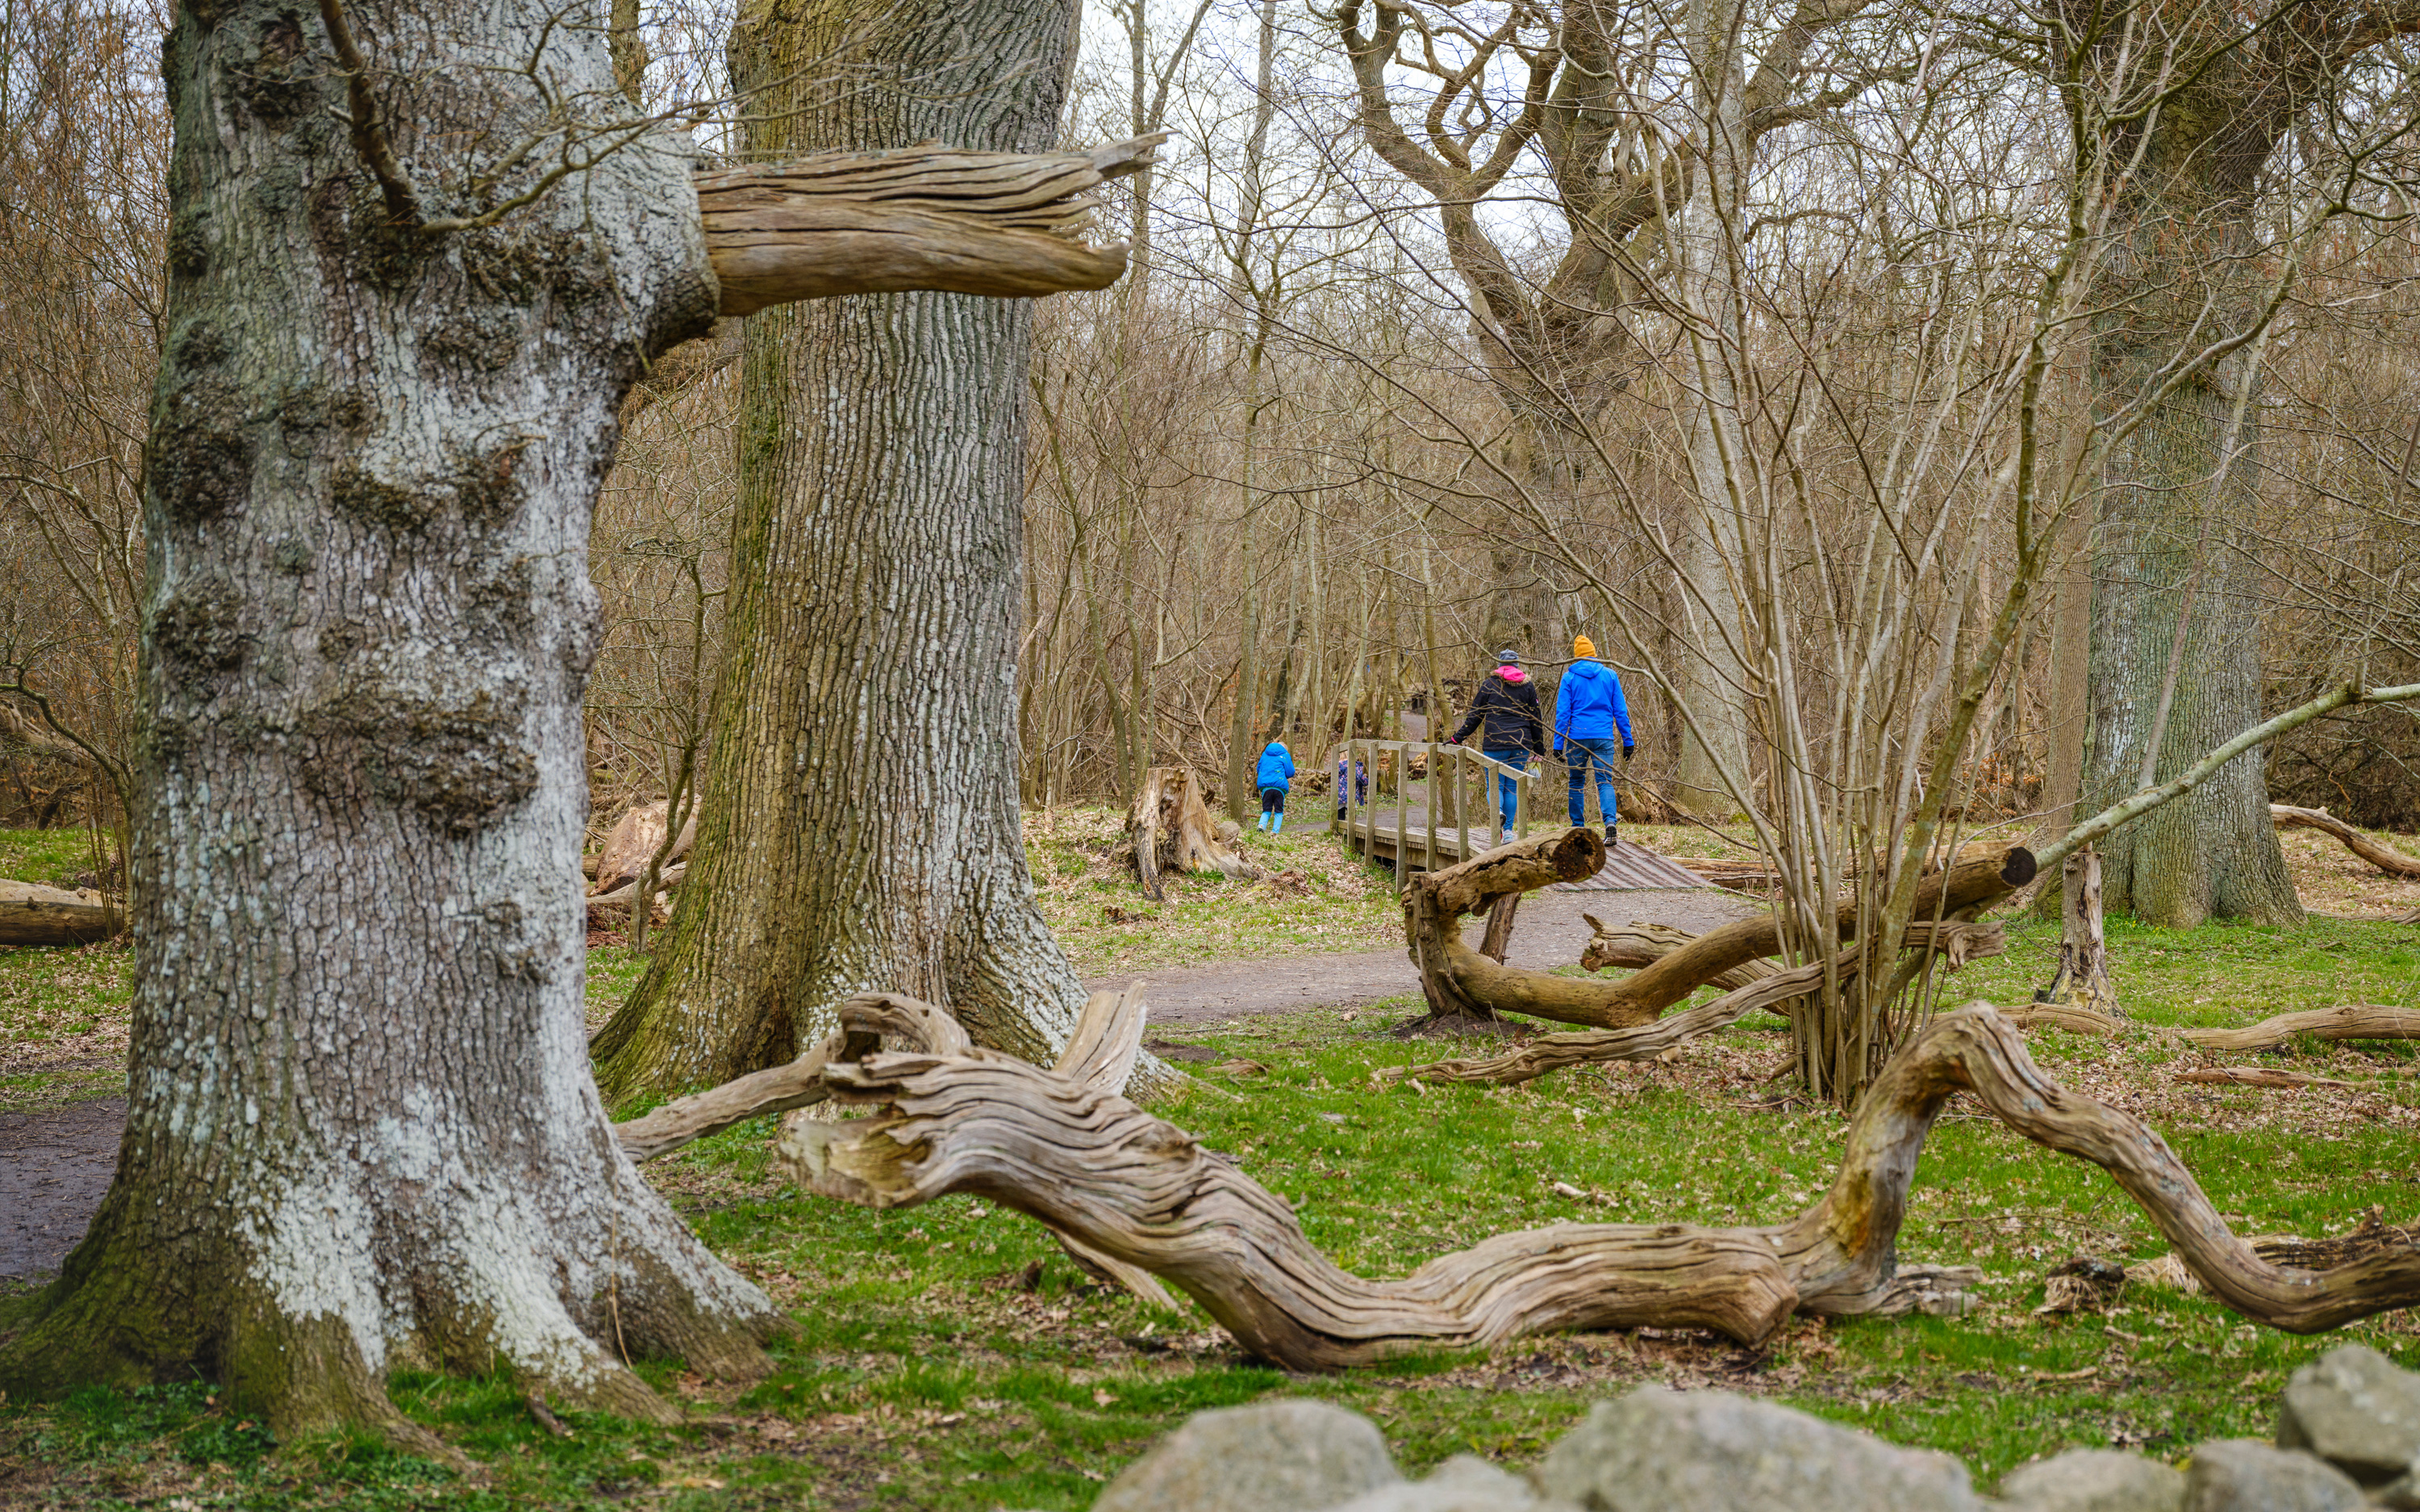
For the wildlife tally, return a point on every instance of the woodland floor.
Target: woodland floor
(948, 1357)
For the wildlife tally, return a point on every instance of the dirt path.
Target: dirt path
(54, 1167)
(55, 1164)
(1549, 933)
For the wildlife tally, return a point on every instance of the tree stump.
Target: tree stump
(1170, 829)
(2082, 981)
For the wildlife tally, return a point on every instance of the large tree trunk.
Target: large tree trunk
(359, 1126)
(859, 824)
(2175, 660)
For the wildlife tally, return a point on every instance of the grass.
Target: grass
(1311, 900)
(948, 1357)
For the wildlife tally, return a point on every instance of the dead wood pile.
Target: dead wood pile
(1170, 829)
(31, 913)
(1132, 1189)
(2385, 858)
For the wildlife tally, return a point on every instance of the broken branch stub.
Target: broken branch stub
(1171, 828)
(1006, 224)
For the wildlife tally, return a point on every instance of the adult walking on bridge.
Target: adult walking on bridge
(1589, 710)
(1510, 729)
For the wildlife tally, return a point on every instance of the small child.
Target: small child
(1275, 775)
(1357, 773)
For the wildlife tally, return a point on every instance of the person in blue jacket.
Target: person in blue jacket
(1588, 710)
(1275, 778)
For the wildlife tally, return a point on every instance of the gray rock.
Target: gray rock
(2353, 1408)
(1272, 1457)
(1709, 1451)
(2094, 1480)
(1463, 1484)
(2403, 1495)
(2246, 1476)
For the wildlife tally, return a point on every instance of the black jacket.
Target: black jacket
(1510, 712)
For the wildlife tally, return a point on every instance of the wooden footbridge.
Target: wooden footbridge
(1451, 816)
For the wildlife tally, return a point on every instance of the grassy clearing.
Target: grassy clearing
(1312, 900)
(52, 858)
(949, 1358)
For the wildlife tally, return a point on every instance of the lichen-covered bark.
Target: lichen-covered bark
(860, 830)
(360, 1125)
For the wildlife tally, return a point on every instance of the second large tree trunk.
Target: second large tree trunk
(859, 827)
(2175, 660)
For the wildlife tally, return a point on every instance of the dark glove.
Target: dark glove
(1628, 752)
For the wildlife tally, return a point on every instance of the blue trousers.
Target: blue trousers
(1599, 752)
(1507, 788)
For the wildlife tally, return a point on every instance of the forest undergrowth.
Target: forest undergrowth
(950, 1357)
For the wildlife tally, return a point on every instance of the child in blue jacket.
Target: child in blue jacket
(1276, 778)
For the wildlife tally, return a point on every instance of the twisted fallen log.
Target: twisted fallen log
(1459, 981)
(1640, 943)
(2385, 858)
(1957, 942)
(1135, 1188)
(2352, 1021)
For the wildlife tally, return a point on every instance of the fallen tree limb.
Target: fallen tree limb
(2352, 1021)
(31, 913)
(1092, 1167)
(1958, 942)
(1642, 944)
(2255, 1076)
(2063, 1016)
(1001, 223)
(1458, 980)
(2385, 858)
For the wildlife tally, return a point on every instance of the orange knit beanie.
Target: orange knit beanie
(1583, 646)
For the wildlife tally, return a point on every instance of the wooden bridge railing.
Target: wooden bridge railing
(1455, 776)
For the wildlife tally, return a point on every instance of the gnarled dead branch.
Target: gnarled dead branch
(2352, 1021)
(2385, 858)
(1640, 943)
(2061, 1016)
(1125, 1184)
(1459, 980)
(638, 835)
(1958, 942)
(1001, 223)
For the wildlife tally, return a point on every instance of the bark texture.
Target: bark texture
(2175, 660)
(360, 1125)
(860, 820)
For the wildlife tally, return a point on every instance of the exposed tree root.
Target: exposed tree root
(2385, 858)
(1125, 1184)
(2353, 1021)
